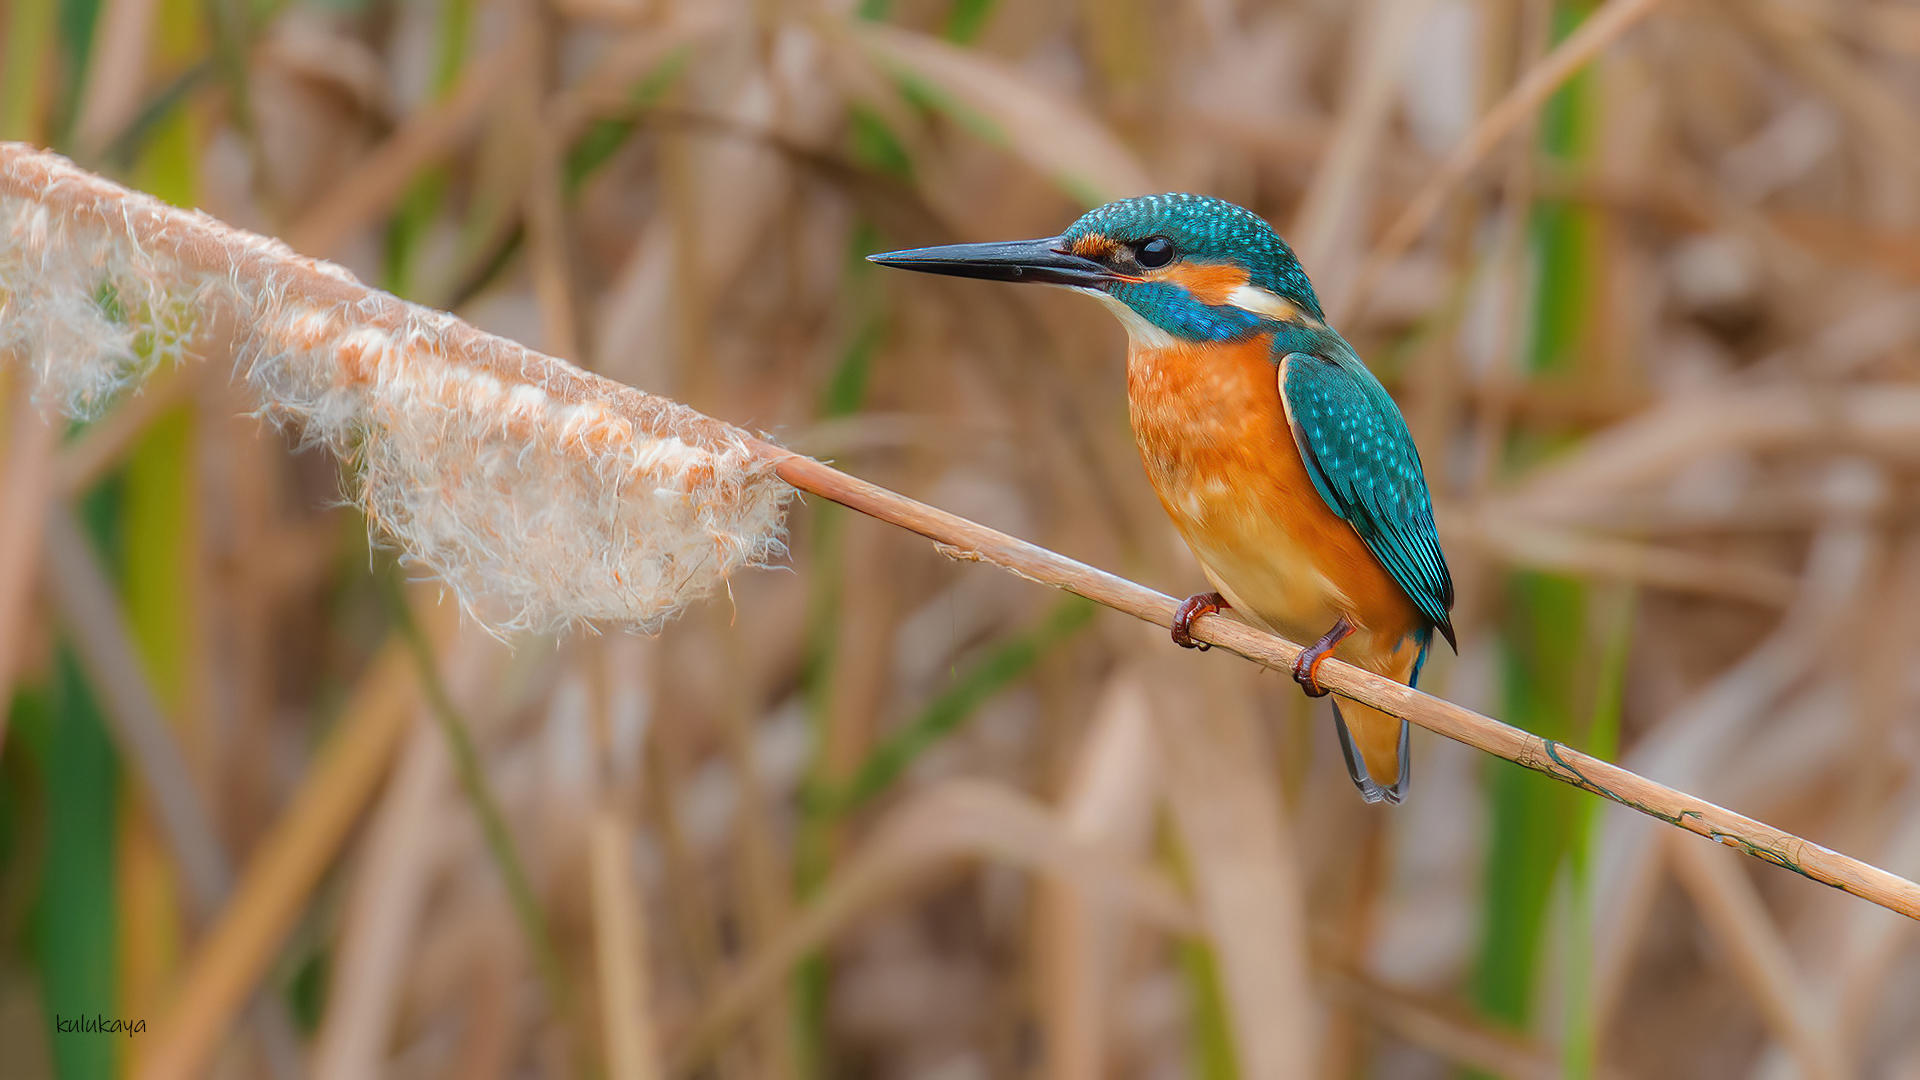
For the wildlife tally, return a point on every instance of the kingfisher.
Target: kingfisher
(1284, 464)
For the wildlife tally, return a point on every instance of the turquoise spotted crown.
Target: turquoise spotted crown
(1206, 229)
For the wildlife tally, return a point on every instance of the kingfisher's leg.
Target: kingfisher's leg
(1190, 609)
(1308, 662)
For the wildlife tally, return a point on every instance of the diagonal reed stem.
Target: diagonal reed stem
(959, 538)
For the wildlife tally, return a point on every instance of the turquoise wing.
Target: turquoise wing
(1364, 464)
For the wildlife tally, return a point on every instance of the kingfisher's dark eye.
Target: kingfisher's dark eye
(1155, 253)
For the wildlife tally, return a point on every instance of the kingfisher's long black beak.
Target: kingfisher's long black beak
(1046, 262)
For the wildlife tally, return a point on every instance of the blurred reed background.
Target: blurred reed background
(883, 815)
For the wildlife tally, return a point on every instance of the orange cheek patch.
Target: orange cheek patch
(1210, 283)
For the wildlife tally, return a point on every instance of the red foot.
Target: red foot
(1307, 665)
(1190, 609)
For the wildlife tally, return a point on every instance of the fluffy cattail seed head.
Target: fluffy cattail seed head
(545, 496)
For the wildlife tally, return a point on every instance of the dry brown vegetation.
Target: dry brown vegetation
(888, 815)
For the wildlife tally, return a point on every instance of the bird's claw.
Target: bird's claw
(1306, 666)
(1305, 669)
(1193, 607)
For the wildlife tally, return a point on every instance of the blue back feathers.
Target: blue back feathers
(1363, 461)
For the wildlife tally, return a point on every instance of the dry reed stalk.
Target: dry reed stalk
(620, 952)
(1348, 935)
(1732, 909)
(1439, 1027)
(691, 942)
(1874, 806)
(24, 489)
(382, 908)
(1598, 31)
(1875, 940)
(720, 199)
(756, 849)
(1880, 422)
(241, 602)
(1054, 135)
(1245, 873)
(608, 87)
(239, 948)
(689, 897)
(546, 218)
(933, 831)
(116, 72)
(512, 475)
(1327, 226)
(1526, 541)
(862, 658)
(379, 179)
(1108, 802)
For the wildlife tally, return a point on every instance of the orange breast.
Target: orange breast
(1214, 438)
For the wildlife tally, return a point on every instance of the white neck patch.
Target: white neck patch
(1261, 302)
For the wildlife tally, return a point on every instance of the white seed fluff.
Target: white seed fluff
(544, 496)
